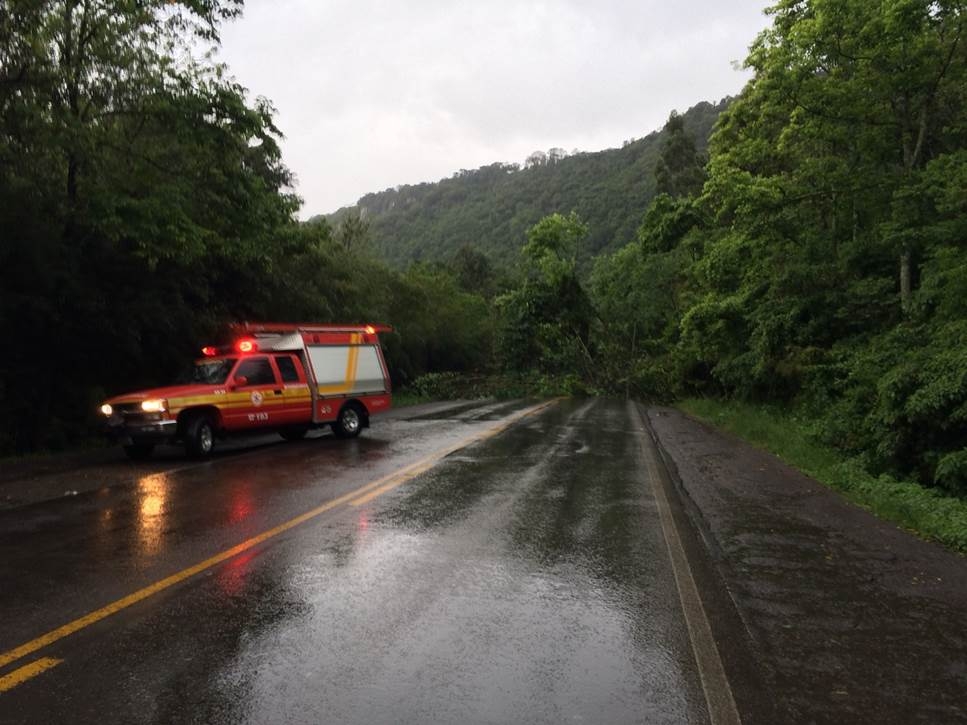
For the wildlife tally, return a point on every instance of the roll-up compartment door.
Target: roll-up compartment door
(347, 369)
(369, 373)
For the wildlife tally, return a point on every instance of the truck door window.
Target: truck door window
(287, 368)
(256, 370)
(209, 372)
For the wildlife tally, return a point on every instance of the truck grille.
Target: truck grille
(132, 413)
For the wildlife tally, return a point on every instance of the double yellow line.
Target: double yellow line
(358, 497)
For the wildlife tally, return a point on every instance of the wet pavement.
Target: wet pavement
(521, 578)
(848, 618)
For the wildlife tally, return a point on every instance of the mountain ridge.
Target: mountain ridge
(490, 208)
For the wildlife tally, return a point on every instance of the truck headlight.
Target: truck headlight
(107, 410)
(154, 405)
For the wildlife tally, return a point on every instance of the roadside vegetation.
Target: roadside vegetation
(810, 258)
(928, 512)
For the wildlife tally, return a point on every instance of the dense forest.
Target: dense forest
(813, 256)
(492, 207)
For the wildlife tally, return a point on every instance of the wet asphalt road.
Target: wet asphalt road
(523, 578)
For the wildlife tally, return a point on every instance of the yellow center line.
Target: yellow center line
(21, 675)
(397, 480)
(381, 484)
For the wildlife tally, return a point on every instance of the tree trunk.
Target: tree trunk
(905, 286)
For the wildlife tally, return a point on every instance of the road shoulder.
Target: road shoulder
(850, 618)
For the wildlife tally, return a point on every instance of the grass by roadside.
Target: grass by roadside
(927, 512)
(405, 398)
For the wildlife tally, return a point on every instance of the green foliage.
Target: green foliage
(637, 298)
(124, 175)
(640, 291)
(545, 323)
(552, 245)
(667, 224)
(440, 326)
(353, 233)
(680, 168)
(474, 272)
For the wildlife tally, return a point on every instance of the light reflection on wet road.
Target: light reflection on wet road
(521, 579)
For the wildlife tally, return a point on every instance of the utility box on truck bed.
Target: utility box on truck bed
(274, 376)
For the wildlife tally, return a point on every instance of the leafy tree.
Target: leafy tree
(546, 322)
(135, 187)
(871, 91)
(680, 168)
(473, 271)
(353, 232)
(441, 326)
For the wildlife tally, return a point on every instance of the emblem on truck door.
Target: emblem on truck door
(256, 398)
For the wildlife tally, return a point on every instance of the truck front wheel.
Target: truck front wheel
(200, 436)
(350, 421)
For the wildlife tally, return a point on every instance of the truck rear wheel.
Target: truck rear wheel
(350, 421)
(139, 451)
(200, 436)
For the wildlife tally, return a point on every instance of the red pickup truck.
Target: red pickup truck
(282, 377)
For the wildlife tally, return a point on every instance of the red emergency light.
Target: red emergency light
(246, 345)
(209, 351)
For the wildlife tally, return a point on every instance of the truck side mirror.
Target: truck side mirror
(240, 381)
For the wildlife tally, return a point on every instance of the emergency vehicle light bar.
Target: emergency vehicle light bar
(283, 327)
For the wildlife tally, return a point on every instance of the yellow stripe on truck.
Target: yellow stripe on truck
(352, 362)
(354, 356)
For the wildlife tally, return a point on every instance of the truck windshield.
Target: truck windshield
(212, 372)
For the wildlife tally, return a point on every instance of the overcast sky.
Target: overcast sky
(377, 93)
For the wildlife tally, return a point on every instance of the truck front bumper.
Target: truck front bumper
(127, 431)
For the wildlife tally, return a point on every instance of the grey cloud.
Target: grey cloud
(373, 94)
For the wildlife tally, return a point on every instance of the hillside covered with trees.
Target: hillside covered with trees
(492, 207)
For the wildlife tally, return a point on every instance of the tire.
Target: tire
(349, 424)
(139, 451)
(200, 437)
(295, 433)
